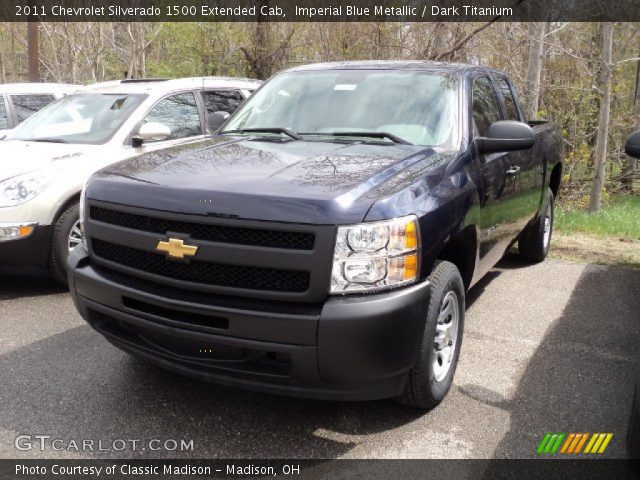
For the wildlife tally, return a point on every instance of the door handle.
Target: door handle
(513, 170)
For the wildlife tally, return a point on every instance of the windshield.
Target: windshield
(85, 118)
(414, 107)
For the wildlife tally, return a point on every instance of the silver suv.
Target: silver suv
(45, 161)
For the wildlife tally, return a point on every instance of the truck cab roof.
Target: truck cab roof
(412, 65)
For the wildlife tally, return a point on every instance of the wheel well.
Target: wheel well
(70, 201)
(555, 178)
(461, 251)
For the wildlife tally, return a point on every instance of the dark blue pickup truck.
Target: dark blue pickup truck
(321, 244)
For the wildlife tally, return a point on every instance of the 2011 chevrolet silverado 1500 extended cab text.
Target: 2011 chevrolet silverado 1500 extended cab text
(322, 242)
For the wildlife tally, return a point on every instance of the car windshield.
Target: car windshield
(387, 106)
(84, 118)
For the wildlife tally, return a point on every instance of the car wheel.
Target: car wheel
(66, 235)
(633, 433)
(430, 379)
(535, 240)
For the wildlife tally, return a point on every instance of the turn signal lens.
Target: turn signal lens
(25, 230)
(410, 267)
(11, 231)
(410, 235)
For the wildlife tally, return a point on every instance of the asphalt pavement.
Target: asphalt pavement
(547, 348)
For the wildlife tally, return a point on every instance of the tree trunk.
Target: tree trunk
(3, 70)
(33, 47)
(604, 90)
(536, 52)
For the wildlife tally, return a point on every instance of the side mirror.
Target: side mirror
(151, 132)
(215, 120)
(506, 136)
(632, 147)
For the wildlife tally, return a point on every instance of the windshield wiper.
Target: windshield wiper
(284, 131)
(371, 134)
(47, 140)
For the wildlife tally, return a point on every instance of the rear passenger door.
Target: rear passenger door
(524, 175)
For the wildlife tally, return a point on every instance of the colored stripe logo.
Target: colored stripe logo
(574, 443)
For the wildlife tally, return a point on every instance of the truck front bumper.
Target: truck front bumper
(348, 348)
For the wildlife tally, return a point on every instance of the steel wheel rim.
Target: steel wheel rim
(446, 338)
(547, 227)
(75, 236)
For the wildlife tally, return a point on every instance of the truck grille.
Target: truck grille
(202, 231)
(253, 259)
(219, 274)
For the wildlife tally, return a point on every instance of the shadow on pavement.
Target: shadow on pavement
(581, 377)
(19, 286)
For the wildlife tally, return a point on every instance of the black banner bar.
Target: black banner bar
(319, 10)
(546, 469)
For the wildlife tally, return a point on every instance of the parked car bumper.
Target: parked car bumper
(348, 348)
(31, 250)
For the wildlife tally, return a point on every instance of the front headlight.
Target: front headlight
(376, 255)
(22, 188)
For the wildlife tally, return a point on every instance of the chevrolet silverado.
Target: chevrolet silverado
(321, 243)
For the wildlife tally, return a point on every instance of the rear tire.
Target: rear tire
(535, 240)
(64, 235)
(430, 379)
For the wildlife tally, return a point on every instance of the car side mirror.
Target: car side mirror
(215, 120)
(632, 147)
(151, 132)
(506, 136)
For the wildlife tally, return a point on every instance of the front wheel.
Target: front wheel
(431, 377)
(66, 235)
(535, 240)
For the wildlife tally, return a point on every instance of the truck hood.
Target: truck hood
(18, 157)
(251, 178)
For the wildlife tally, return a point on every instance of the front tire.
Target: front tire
(430, 379)
(535, 240)
(66, 235)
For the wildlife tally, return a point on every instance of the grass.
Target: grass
(609, 237)
(619, 217)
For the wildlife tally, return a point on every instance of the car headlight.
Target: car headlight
(375, 256)
(22, 188)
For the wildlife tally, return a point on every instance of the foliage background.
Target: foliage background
(570, 67)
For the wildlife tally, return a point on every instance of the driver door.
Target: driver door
(493, 188)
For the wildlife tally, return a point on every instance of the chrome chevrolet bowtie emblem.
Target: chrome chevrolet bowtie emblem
(175, 248)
